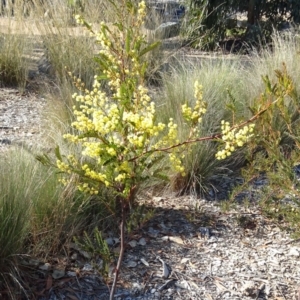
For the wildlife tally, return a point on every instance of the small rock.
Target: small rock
(249, 288)
(153, 232)
(133, 243)
(144, 262)
(45, 267)
(58, 273)
(109, 241)
(176, 239)
(205, 232)
(137, 286)
(294, 252)
(131, 264)
(142, 241)
(74, 256)
(5, 141)
(71, 273)
(212, 240)
(116, 240)
(87, 267)
(185, 260)
(157, 199)
(112, 241)
(100, 263)
(183, 284)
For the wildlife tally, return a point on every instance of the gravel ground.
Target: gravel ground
(20, 117)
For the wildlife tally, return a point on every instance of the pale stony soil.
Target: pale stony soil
(180, 255)
(19, 117)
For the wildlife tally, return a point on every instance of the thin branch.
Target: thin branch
(205, 138)
(120, 259)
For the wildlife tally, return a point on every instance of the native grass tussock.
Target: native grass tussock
(13, 64)
(37, 216)
(23, 186)
(217, 76)
(46, 215)
(49, 25)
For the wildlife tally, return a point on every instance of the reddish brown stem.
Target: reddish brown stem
(122, 242)
(205, 138)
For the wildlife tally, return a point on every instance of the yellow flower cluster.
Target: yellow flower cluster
(91, 149)
(141, 97)
(63, 166)
(123, 171)
(96, 114)
(173, 131)
(79, 19)
(170, 137)
(96, 176)
(194, 115)
(177, 163)
(233, 138)
(116, 128)
(141, 12)
(86, 188)
(141, 123)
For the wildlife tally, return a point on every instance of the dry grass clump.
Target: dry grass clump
(14, 66)
(216, 76)
(284, 48)
(38, 215)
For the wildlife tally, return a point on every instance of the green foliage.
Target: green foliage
(139, 216)
(38, 217)
(285, 48)
(77, 5)
(41, 213)
(277, 11)
(98, 249)
(275, 150)
(281, 204)
(277, 131)
(208, 22)
(33, 201)
(117, 130)
(204, 25)
(55, 214)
